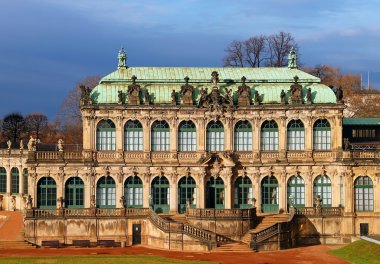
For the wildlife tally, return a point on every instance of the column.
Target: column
(21, 181)
(349, 198)
(201, 133)
(335, 182)
(173, 135)
(282, 195)
(376, 195)
(257, 194)
(309, 190)
(228, 132)
(337, 133)
(146, 135)
(256, 134)
(119, 191)
(9, 180)
(308, 135)
(59, 183)
(119, 134)
(228, 192)
(282, 134)
(173, 197)
(201, 197)
(146, 191)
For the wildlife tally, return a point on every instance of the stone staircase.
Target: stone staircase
(179, 218)
(265, 221)
(233, 247)
(16, 245)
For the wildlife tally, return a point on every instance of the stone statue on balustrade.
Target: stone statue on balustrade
(147, 98)
(29, 202)
(339, 95)
(174, 97)
(85, 95)
(134, 92)
(187, 92)
(256, 98)
(296, 92)
(244, 93)
(282, 96)
(60, 144)
(32, 143)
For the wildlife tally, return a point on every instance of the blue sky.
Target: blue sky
(47, 46)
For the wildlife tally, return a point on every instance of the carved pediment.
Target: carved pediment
(134, 92)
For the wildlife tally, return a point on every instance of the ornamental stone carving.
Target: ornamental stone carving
(187, 92)
(244, 93)
(296, 92)
(85, 95)
(134, 92)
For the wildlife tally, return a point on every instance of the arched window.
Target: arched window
(15, 180)
(363, 194)
(215, 136)
(106, 193)
(74, 193)
(133, 136)
(322, 187)
(46, 193)
(243, 192)
(3, 180)
(187, 136)
(243, 136)
(106, 135)
(133, 192)
(215, 193)
(269, 135)
(25, 175)
(269, 194)
(187, 191)
(296, 135)
(160, 194)
(160, 136)
(322, 135)
(296, 191)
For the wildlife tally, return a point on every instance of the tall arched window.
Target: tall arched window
(296, 191)
(269, 135)
(322, 135)
(133, 136)
(106, 135)
(215, 136)
(160, 136)
(74, 193)
(215, 193)
(106, 193)
(296, 135)
(25, 175)
(187, 192)
(243, 192)
(15, 180)
(3, 180)
(160, 194)
(243, 136)
(133, 192)
(322, 187)
(46, 193)
(187, 136)
(363, 194)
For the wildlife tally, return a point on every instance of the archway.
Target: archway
(186, 192)
(215, 193)
(269, 195)
(160, 194)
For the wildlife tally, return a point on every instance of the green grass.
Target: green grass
(97, 260)
(359, 252)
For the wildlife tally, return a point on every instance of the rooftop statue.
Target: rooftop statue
(134, 92)
(174, 97)
(339, 95)
(282, 96)
(122, 56)
(147, 98)
(243, 93)
(85, 95)
(187, 92)
(257, 98)
(296, 92)
(308, 96)
(120, 97)
(292, 59)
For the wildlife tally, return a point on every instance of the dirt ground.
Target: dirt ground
(305, 255)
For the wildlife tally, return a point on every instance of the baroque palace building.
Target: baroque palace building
(185, 139)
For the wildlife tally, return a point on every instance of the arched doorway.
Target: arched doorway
(296, 191)
(215, 193)
(243, 193)
(187, 191)
(269, 194)
(322, 187)
(74, 193)
(160, 194)
(46, 193)
(133, 192)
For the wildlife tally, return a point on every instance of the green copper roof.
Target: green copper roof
(361, 121)
(176, 74)
(160, 82)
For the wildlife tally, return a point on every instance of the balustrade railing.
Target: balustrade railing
(270, 155)
(221, 213)
(319, 211)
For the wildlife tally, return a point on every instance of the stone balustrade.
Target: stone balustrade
(221, 213)
(318, 212)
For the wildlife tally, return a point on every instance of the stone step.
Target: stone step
(233, 247)
(15, 245)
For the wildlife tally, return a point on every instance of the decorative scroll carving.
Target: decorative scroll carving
(214, 100)
(244, 93)
(134, 92)
(187, 92)
(296, 92)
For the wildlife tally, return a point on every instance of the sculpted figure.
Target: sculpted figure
(147, 97)
(60, 144)
(229, 97)
(308, 95)
(339, 94)
(174, 98)
(243, 93)
(282, 96)
(257, 98)
(187, 92)
(134, 92)
(120, 97)
(296, 92)
(32, 144)
(9, 144)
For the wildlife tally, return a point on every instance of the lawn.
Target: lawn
(359, 252)
(97, 260)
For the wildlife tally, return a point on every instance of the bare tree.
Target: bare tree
(36, 124)
(69, 117)
(13, 126)
(255, 49)
(260, 51)
(279, 47)
(235, 55)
